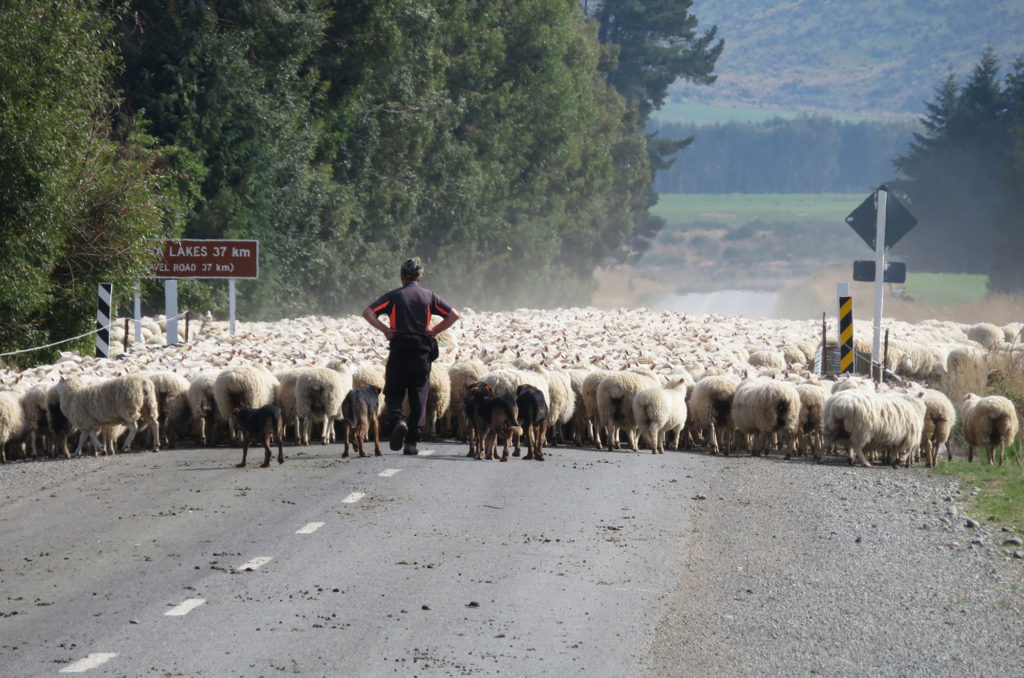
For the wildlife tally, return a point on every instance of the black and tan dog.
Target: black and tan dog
(492, 417)
(261, 425)
(533, 419)
(477, 392)
(359, 408)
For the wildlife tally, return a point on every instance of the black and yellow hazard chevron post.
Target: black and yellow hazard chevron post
(846, 334)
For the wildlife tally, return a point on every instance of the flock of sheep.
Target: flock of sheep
(632, 377)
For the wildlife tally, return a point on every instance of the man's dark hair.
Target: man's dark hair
(412, 269)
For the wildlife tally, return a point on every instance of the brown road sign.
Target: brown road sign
(208, 259)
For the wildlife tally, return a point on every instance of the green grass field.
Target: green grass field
(712, 114)
(946, 288)
(731, 210)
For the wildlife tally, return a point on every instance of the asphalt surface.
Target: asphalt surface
(180, 564)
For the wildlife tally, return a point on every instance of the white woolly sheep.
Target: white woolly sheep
(615, 396)
(768, 358)
(810, 424)
(988, 423)
(172, 403)
(461, 375)
(659, 410)
(939, 417)
(763, 408)
(506, 381)
(558, 393)
(889, 423)
(711, 409)
(319, 392)
(203, 403)
(986, 334)
(243, 386)
(590, 383)
(36, 428)
(580, 424)
(118, 401)
(563, 397)
(366, 374)
(1012, 333)
(12, 420)
(286, 399)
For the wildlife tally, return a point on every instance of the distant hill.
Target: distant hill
(876, 57)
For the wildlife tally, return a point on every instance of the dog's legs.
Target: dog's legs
(539, 454)
(375, 428)
(245, 451)
(267, 454)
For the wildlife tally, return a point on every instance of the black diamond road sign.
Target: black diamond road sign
(898, 220)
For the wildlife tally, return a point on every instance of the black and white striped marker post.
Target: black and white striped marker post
(103, 320)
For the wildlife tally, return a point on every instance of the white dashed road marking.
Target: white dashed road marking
(253, 564)
(310, 528)
(92, 661)
(388, 472)
(353, 498)
(181, 609)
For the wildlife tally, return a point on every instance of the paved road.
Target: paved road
(178, 563)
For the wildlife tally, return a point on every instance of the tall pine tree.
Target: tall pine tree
(953, 174)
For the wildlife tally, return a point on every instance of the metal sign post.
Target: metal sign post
(876, 337)
(171, 310)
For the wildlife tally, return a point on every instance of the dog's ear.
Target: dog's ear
(376, 388)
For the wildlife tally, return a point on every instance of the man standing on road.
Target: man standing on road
(413, 349)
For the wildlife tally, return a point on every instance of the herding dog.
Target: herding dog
(533, 419)
(260, 425)
(359, 408)
(491, 416)
(477, 392)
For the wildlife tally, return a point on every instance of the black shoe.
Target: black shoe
(411, 449)
(398, 436)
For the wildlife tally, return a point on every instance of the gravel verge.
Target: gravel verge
(805, 569)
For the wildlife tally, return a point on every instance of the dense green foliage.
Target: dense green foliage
(81, 188)
(344, 135)
(874, 56)
(806, 154)
(961, 178)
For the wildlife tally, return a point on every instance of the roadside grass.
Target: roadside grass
(1000, 498)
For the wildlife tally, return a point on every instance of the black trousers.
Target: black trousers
(407, 372)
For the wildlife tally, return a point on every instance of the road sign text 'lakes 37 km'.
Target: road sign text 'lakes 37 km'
(208, 259)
